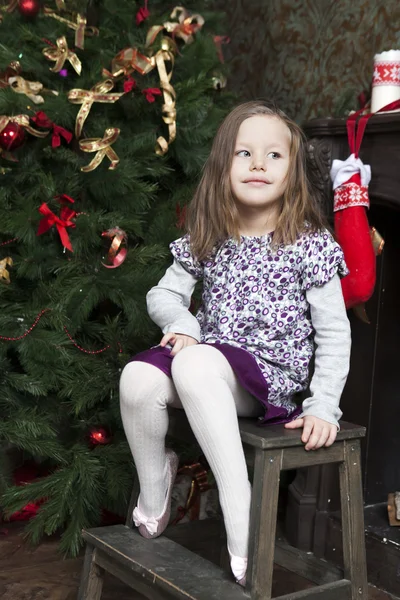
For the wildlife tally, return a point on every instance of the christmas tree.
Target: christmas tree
(107, 113)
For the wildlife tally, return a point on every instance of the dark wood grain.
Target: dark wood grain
(162, 564)
(41, 573)
(259, 436)
(352, 509)
(295, 458)
(305, 564)
(264, 510)
(92, 578)
(339, 590)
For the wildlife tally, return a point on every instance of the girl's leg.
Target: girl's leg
(145, 393)
(213, 398)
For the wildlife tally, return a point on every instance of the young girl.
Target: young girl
(271, 288)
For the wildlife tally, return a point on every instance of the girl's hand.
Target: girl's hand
(178, 341)
(316, 432)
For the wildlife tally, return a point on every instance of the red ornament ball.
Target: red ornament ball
(12, 137)
(99, 436)
(29, 8)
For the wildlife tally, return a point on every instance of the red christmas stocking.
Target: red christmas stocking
(350, 183)
(352, 228)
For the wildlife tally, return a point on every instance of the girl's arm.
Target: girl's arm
(332, 354)
(168, 302)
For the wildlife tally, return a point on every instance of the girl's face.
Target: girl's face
(260, 165)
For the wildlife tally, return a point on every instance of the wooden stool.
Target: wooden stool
(160, 569)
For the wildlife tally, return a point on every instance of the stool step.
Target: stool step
(162, 564)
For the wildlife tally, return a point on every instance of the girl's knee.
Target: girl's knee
(139, 383)
(193, 364)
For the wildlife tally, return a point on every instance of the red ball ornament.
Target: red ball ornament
(12, 137)
(29, 8)
(99, 436)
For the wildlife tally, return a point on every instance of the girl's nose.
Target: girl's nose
(258, 164)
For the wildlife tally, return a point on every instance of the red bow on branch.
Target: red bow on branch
(129, 84)
(42, 120)
(142, 14)
(151, 93)
(61, 222)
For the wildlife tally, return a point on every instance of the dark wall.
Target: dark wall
(309, 55)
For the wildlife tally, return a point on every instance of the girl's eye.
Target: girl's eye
(274, 155)
(243, 153)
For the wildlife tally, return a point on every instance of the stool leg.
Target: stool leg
(92, 577)
(352, 506)
(264, 508)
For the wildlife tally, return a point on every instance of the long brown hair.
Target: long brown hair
(212, 216)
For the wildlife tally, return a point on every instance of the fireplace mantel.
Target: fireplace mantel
(380, 149)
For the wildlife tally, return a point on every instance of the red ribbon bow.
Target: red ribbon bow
(61, 222)
(129, 84)
(151, 93)
(42, 120)
(142, 14)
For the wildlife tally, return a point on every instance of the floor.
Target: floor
(42, 574)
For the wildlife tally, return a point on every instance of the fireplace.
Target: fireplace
(372, 393)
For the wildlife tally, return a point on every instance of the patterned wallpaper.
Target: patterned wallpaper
(312, 56)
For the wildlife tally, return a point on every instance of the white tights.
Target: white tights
(205, 386)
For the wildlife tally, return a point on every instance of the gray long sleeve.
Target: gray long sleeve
(332, 354)
(168, 302)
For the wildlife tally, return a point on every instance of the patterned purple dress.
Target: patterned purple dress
(254, 310)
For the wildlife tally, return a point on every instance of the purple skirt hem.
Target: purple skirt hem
(245, 368)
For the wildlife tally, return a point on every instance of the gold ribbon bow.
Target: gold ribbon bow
(186, 26)
(13, 69)
(31, 89)
(80, 27)
(4, 274)
(98, 93)
(61, 54)
(103, 148)
(129, 60)
(23, 121)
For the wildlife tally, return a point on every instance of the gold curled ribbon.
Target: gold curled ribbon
(4, 274)
(80, 27)
(168, 108)
(98, 93)
(60, 54)
(31, 89)
(23, 121)
(130, 59)
(187, 25)
(103, 148)
(116, 255)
